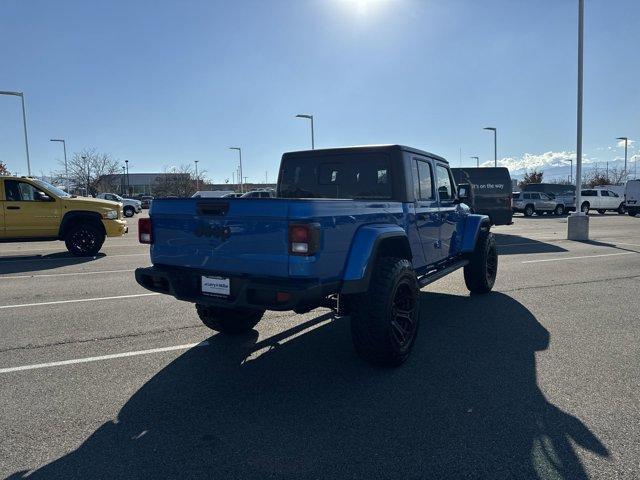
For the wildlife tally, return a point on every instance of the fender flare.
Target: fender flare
(363, 252)
(75, 216)
(473, 225)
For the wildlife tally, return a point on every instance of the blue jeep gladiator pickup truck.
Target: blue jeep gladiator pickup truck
(359, 228)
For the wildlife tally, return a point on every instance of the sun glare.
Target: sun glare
(364, 7)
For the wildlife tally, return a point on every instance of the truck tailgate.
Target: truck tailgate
(222, 235)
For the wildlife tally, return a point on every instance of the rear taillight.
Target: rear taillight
(303, 238)
(144, 230)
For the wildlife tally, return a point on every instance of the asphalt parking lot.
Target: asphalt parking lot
(539, 379)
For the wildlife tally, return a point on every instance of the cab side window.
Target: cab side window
(604, 193)
(445, 185)
(423, 180)
(17, 191)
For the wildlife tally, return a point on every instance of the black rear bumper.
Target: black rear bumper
(246, 292)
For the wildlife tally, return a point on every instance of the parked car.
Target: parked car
(129, 206)
(554, 189)
(232, 195)
(361, 229)
(490, 192)
(602, 201)
(146, 201)
(35, 210)
(632, 197)
(211, 193)
(529, 203)
(259, 194)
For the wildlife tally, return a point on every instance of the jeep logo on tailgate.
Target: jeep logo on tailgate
(208, 230)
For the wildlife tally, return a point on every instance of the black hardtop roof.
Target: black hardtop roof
(361, 149)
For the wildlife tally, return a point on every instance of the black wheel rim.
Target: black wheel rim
(403, 315)
(83, 240)
(492, 264)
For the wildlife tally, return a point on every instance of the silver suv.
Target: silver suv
(536, 202)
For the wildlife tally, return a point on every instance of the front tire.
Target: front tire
(559, 210)
(480, 273)
(384, 320)
(129, 212)
(225, 320)
(585, 208)
(84, 240)
(602, 212)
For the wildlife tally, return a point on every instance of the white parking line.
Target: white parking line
(103, 357)
(58, 249)
(79, 300)
(13, 260)
(579, 258)
(5, 277)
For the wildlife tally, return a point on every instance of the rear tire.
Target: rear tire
(225, 320)
(529, 211)
(621, 209)
(585, 208)
(602, 212)
(632, 212)
(559, 210)
(384, 320)
(480, 273)
(84, 240)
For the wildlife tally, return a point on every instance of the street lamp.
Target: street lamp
(66, 171)
(477, 159)
(24, 124)
(124, 184)
(240, 173)
(128, 184)
(309, 117)
(495, 144)
(578, 223)
(197, 181)
(626, 140)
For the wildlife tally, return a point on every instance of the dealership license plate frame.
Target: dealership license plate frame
(213, 286)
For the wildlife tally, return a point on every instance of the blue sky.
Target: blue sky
(164, 83)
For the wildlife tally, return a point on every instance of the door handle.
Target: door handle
(13, 207)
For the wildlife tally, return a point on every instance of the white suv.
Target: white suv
(602, 201)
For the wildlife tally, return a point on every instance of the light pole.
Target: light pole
(66, 171)
(626, 140)
(477, 159)
(571, 172)
(197, 181)
(24, 124)
(309, 117)
(123, 181)
(84, 159)
(240, 174)
(578, 223)
(128, 184)
(495, 144)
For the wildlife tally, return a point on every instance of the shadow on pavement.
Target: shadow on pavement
(35, 263)
(466, 404)
(516, 244)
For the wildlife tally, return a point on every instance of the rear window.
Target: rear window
(338, 176)
(516, 196)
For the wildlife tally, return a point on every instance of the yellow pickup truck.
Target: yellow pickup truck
(35, 210)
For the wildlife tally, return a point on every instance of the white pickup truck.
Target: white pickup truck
(129, 205)
(602, 201)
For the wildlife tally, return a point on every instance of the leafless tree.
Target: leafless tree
(176, 182)
(610, 176)
(3, 169)
(87, 167)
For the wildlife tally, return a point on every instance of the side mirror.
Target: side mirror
(463, 193)
(43, 197)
